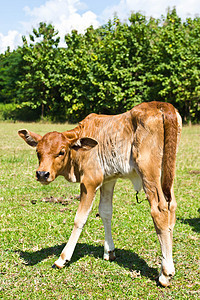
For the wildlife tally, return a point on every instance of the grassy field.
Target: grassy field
(35, 223)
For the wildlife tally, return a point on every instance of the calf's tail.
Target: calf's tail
(172, 130)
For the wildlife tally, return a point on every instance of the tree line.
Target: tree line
(105, 70)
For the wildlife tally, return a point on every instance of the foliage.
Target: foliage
(13, 111)
(11, 70)
(39, 56)
(106, 70)
(176, 74)
(33, 235)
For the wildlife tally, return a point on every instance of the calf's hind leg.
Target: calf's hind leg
(164, 221)
(168, 266)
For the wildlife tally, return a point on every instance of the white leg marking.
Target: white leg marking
(167, 267)
(76, 232)
(69, 248)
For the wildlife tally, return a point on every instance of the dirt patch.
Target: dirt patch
(194, 172)
(64, 200)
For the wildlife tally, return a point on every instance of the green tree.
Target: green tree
(40, 70)
(175, 73)
(11, 64)
(188, 87)
(106, 70)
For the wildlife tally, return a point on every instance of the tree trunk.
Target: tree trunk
(189, 113)
(42, 112)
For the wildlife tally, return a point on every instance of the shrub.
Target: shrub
(12, 111)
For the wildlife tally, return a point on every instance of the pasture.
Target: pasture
(36, 222)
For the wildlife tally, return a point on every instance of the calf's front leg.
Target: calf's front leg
(84, 208)
(105, 211)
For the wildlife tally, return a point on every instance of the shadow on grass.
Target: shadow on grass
(195, 223)
(125, 258)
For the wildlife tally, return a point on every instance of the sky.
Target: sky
(19, 17)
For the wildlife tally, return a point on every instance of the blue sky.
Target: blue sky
(18, 17)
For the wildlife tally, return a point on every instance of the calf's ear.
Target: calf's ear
(84, 143)
(29, 137)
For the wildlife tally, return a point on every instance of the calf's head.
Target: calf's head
(53, 152)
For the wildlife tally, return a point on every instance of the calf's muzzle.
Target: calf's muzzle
(42, 175)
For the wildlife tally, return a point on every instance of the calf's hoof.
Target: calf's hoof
(60, 263)
(166, 274)
(110, 255)
(165, 280)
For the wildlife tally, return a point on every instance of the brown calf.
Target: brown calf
(140, 144)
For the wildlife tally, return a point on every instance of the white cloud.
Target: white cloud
(12, 39)
(188, 8)
(76, 21)
(63, 14)
(154, 8)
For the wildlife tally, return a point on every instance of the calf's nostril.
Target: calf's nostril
(46, 174)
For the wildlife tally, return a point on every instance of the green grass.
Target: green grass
(32, 236)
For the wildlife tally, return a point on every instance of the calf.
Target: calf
(140, 145)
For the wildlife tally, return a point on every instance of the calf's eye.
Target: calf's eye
(62, 152)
